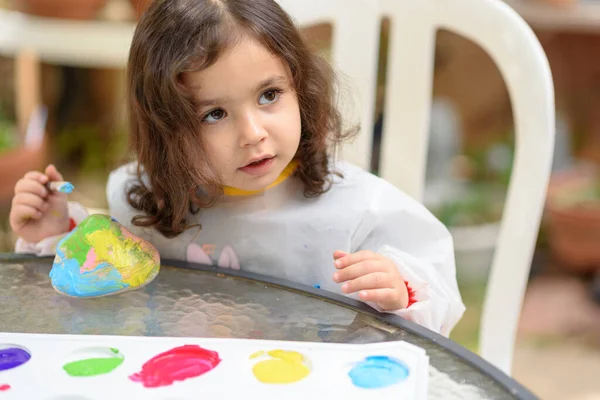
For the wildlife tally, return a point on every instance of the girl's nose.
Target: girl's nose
(251, 131)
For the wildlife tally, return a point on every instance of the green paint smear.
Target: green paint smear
(77, 246)
(92, 366)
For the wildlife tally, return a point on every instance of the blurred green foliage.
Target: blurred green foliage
(8, 137)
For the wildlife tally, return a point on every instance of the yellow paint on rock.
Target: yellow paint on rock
(123, 255)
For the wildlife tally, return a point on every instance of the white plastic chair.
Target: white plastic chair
(355, 51)
(503, 34)
(512, 45)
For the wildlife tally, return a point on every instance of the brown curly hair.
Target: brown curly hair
(177, 36)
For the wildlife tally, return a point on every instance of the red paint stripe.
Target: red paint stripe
(411, 295)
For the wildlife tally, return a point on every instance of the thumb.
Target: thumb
(339, 254)
(52, 173)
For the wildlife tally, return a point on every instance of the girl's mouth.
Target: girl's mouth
(259, 167)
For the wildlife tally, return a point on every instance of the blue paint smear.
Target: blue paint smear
(66, 187)
(378, 372)
(67, 278)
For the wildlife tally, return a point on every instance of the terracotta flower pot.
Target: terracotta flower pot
(68, 9)
(140, 6)
(573, 219)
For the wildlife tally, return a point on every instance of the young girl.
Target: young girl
(233, 126)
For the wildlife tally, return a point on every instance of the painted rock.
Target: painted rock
(101, 257)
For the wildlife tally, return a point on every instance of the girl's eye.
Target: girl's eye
(270, 96)
(214, 116)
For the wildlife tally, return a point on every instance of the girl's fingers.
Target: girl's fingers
(22, 213)
(53, 173)
(376, 280)
(387, 299)
(357, 270)
(339, 254)
(31, 186)
(354, 258)
(36, 176)
(30, 200)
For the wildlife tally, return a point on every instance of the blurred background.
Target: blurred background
(470, 156)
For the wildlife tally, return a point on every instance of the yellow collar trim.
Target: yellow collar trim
(287, 172)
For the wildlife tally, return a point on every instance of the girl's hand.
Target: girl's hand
(36, 212)
(375, 277)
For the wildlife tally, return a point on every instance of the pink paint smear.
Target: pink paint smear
(177, 364)
(90, 262)
(4, 388)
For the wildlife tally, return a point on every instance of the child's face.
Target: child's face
(250, 113)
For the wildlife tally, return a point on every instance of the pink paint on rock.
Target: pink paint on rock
(90, 262)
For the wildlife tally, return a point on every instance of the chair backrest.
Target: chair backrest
(355, 49)
(510, 42)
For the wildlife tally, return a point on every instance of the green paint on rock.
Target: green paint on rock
(77, 244)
